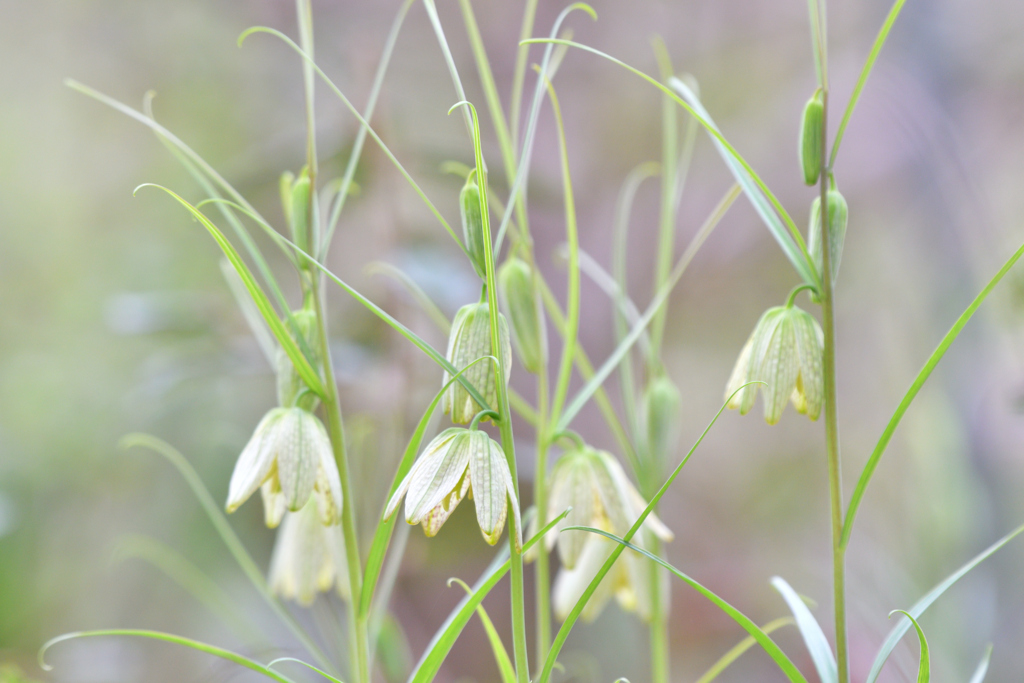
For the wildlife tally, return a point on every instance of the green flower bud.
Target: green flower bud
(473, 226)
(471, 339)
(289, 384)
(811, 144)
(522, 304)
(838, 213)
(298, 215)
(659, 419)
(785, 352)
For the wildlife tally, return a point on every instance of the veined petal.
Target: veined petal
(273, 503)
(436, 474)
(572, 484)
(297, 441)
(810, 382)
(439, 514)
(255, 463)
(633, 502)
(303, 562)
(490, 475)
(777, 365)
(433, 450)
(739, 377)
(328, 483)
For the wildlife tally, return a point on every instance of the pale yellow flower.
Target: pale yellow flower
(469, 340)
(309, 557)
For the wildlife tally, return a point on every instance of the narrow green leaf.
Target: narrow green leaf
(284, 338)
(625, 307)
(883, 33)
(382, 535)
(168, 637)
(577, 610)
(357, 145)
(224, 530)
(659, 300)
(188, 576)
(979, 673)
(501, 658)
(435, 22)
(305, 664)
(922, 377)
(931, 596)
(925, 662)
(817, 643)
(748, 625)
(445, 637)
(419, 296)
(732, 655)
(792, 244)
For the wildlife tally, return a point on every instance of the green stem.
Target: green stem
(519, 75)
(659, 619)
(831, 415)
(542, 569)
(666, 229)
(358, 624)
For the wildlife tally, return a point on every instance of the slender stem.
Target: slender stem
(666, 229)
(542, 570)
(519, 75)
(659, 619)
(831, 414)
(359, 641)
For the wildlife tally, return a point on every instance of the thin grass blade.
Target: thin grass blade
(925, 662)
(817, 643)
(501, 658)
(748, 625)
(741, 647)
(305, 664)
(424, 301)
(915, 387)
(925, 602)
(979, 673)
(167, 637)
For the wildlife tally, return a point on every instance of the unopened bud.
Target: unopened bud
(660, 420)
(811, 143)
(299, 211)
(473, 227)
(838, 213)
(522, 304)
(469, 340)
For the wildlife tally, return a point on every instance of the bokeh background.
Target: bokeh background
(115, 317)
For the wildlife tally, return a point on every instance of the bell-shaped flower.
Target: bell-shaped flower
(456, 464)
(785, 353)
(594, 484)
(309, 558)
(629, 580)
(469, 340)
(290, 457)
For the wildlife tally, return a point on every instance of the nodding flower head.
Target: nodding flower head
(470, 339)
(594, 484)
(456, 464)
(290, 457)
(785, 352)
(309, 558)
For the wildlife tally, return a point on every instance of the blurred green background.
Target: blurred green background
(116, 318)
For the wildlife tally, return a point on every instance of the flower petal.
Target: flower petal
(810, 382)
(255, 462)
(491, 479)
(295, 440)
(436, 474)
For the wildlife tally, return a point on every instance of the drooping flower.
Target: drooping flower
(469, 340)
(785, 353)
(521, 302)
(594, 484)
(459, 463)
(309, 558)
(289, 456)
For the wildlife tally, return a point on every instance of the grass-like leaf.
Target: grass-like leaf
(979, 673)
(924, 666)
(817, 643)
(188, 576)
(748, 625)
(883, 33)
(445, 637)
(659, 300)
(226, 533)
(792, 242)
(925, 602)
(501, 658)
(915, 387)
(167, 637)
(733, 654)
(422, 299)
(284, 338)
(382, 535)
(305, 664)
